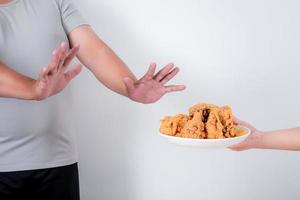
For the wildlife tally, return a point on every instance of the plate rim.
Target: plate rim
(208, 140)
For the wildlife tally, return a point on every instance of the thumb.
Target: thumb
(43, 73)
(73, 72)
(129, 83)
(42, 79)
(243, 123)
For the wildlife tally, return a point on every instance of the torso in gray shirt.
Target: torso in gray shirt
(35, 135)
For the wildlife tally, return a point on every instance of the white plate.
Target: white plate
(207, 143)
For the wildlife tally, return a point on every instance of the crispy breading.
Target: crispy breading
(171, 125)
(194, 128)
(206, 121)
(200, 107)
(214, 127)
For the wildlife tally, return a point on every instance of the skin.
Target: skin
(107, 67)
(110, 70)
(287, 139)
(52, 79)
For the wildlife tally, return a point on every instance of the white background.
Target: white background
(245, 54)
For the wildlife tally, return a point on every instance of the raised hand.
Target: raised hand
(151, 87)
(54, 78)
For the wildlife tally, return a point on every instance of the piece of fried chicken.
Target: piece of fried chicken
(194, 128)
(171, 125)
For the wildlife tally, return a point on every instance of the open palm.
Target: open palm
(54, 78)
(151, 87)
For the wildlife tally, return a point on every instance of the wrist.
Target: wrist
(31, 90)
(260, 140)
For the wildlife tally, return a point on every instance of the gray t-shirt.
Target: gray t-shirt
(35, 135)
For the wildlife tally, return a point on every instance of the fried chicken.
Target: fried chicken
(194, 128)
(173, 124)
(205, 121)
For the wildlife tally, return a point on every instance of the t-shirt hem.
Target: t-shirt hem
(31, 166)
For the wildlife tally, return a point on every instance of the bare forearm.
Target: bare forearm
(108, 68)
(15, 85)
(288, 139)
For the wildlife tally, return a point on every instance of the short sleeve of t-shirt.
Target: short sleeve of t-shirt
(70, 15)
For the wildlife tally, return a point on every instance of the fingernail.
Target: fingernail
(54, 52)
